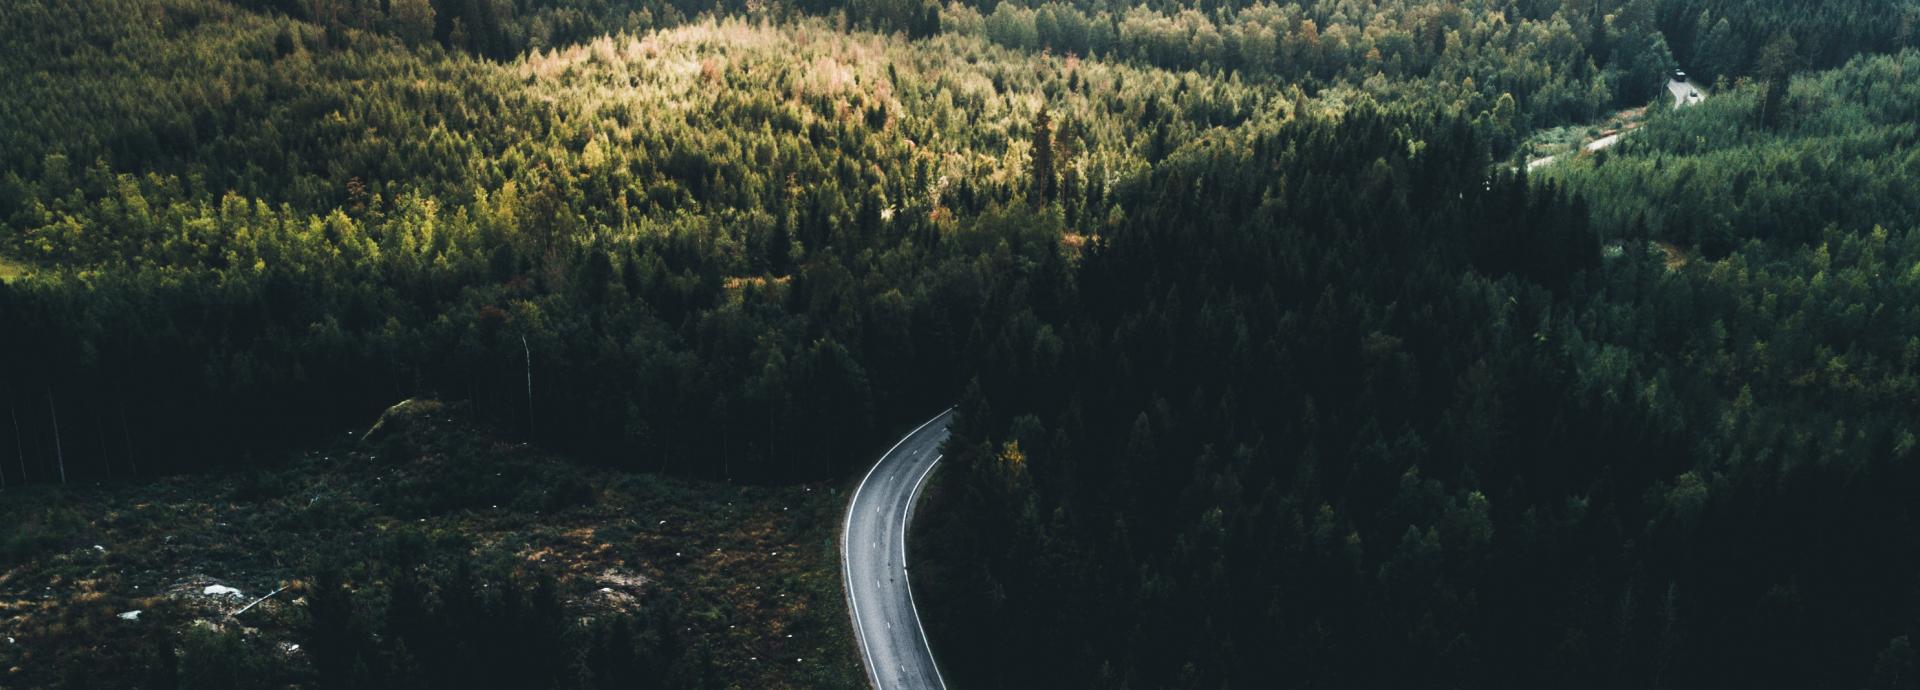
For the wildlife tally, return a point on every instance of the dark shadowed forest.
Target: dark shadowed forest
(1275, 363)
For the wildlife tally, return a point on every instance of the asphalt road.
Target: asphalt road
(873, 553)
(1686, 93)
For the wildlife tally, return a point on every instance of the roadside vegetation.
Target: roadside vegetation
(1841, 156)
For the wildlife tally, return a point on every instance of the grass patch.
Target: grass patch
(1570, 140)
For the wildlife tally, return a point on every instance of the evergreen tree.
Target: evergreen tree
(1777, 62)
(1040, 159)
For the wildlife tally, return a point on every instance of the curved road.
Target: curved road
(873, 562)
(1685, 93)
(873, 547)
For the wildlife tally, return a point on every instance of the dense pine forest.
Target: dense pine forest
(1376, 423)
(1276, 363)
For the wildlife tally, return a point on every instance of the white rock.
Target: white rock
(128, 616)
(222, 591)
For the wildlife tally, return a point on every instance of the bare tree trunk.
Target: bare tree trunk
(59, 452)
(19, 449)
(100, 438)
(16, 441)
(529, 353)
(127, 436)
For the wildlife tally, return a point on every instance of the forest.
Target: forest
(1271, 365)
(1466, 451)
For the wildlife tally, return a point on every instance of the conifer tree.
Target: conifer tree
(1040, 157)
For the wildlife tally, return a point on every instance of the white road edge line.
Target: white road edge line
(846, 570)
(905, 577)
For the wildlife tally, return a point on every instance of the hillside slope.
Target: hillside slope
(429, 533)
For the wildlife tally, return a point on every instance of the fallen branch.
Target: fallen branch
(256, 602)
